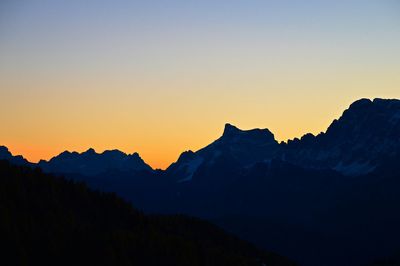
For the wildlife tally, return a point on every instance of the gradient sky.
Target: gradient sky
(161, 77)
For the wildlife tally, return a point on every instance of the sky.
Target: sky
(161, 77)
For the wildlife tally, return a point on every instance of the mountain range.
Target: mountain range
(92, 163)
(329, 199)
(355, 144)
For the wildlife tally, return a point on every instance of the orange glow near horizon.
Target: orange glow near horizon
(159, 147)
(159, 125)
(159, 79)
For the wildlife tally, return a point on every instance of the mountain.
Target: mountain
(47, 220)
(360, 140)
(235, 147)
(91, 163)
(5, 154)
(322, 200)
(329, 199)
(355, 144)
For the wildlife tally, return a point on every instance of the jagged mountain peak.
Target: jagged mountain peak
(354, 144)
(186, 156)
(365, 116)
(366, 102)
(232, 132)
(5, 154)
(366, 131)
(4, 151)
(92, 163)
(377, 104)
(90, 151)
(230, 129)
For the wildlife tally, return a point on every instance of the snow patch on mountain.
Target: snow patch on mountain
(190, 168)
(354, 168)
(396, 117)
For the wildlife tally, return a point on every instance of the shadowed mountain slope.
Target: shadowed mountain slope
(47, 220)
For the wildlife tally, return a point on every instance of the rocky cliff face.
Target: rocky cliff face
(365, 135)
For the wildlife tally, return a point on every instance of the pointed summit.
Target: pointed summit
(231, 132)
(186, 156)
(90, 151)
(239, 147)
(230, 129)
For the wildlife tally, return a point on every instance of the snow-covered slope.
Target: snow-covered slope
(361, 139)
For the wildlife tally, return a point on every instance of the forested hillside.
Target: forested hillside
(47, 220)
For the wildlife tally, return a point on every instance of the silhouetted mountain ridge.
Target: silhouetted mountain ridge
(92, 163)
(5, 154)
(353, 145)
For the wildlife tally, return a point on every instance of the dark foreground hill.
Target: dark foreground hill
(47, 220)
